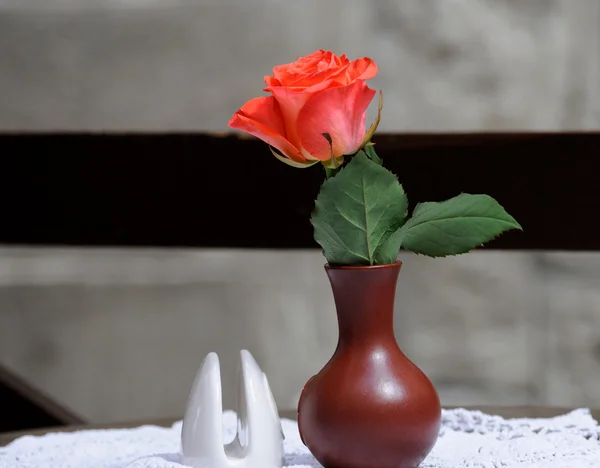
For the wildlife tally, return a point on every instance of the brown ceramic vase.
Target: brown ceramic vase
(370, 406)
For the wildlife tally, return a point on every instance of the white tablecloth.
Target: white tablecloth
(468, 439)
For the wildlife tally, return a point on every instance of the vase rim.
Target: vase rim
(397, 264)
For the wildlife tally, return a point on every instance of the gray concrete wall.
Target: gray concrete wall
(185, 65)
(118, 335)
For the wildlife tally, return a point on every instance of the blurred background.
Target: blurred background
(118, 334)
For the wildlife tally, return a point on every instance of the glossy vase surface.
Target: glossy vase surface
(370, 406)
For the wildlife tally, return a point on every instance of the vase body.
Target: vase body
(370, 406)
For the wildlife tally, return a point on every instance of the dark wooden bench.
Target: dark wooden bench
(198, 190)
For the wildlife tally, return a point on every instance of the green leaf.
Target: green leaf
(370, 151)
(375, 124)
(389, 250)
(454, 226)
(332, 163)
(289, 162)
(356, 211)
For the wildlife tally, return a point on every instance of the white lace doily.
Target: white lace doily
(468, 439)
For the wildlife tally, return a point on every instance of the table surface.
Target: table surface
(504, 411)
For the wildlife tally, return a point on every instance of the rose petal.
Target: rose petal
(320, 61)
(262, 118)
(339, 111)
(290, 102)
(323, 85)
(271, 81)
(287, 69)
(314, 81)
(363, 69)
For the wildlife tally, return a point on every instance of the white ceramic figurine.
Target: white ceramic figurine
(259, 439)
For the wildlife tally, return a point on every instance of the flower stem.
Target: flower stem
(329, 173)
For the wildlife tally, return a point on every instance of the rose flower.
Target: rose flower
(316, 95)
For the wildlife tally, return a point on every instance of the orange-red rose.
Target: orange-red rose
(319, 93)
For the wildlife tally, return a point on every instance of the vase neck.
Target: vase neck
(364, 300)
